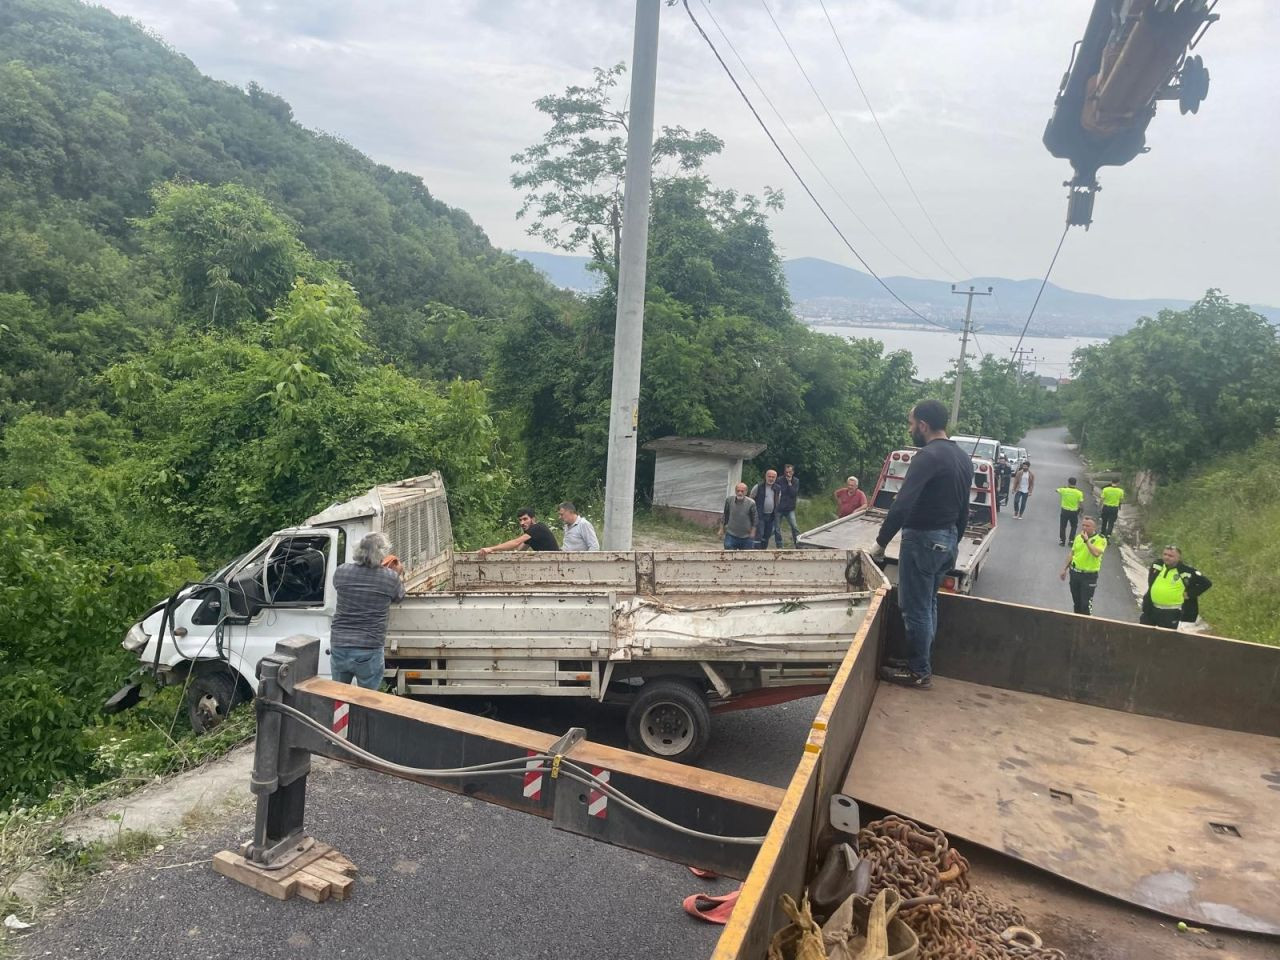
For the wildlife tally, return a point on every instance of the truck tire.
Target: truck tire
(670, 719)
(211, 695)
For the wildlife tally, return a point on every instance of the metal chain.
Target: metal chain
(961, 923)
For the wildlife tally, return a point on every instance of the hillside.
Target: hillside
(826, 292)
(95, 112)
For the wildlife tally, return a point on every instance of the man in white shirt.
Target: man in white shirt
(579, 534)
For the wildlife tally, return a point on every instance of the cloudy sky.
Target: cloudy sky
(963, 88)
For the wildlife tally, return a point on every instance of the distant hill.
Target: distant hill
(563, 270)
(825, 292)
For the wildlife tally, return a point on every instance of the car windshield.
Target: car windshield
(983, 447)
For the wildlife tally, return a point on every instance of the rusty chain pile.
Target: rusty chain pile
(954, 922)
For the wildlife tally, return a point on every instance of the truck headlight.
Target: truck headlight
(135, 639)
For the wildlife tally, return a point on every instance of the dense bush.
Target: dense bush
(1178, 389)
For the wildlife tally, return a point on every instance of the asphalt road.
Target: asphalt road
(1025, 558)
(445, 876)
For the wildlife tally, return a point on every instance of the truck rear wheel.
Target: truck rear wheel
(669, 718)
(211, 695)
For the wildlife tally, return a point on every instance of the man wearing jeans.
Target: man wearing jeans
(367, 586)
(931, 510)
(790, 484)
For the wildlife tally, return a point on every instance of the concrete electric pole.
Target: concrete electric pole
(964, 343)
(628, 338)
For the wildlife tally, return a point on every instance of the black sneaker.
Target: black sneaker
(898, 663)
(904, 677)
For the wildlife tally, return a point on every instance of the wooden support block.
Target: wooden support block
(318, 874)
(237, 868)
(339, 884)
(311, 887)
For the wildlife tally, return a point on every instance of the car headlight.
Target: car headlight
(135, 639)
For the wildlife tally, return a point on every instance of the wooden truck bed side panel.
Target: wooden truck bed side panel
(785, 858)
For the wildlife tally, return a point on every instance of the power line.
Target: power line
(786, 126)
(1040, 292)
(848, 146)
(885, 137)
(796, 173)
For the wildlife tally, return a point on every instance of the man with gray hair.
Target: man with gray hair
(367, 586)
(579, 534)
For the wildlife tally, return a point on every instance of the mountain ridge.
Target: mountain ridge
(830, 293)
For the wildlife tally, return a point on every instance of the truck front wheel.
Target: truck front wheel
(211, 695)
(669, 718)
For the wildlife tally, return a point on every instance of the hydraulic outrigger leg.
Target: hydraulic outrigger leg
(664, 809)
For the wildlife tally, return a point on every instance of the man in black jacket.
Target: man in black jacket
(768, 497)
(790, 485)
(1173, 591)
(932, 511)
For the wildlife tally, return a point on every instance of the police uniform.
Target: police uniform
(1084, 571)
(1070, 499)
(1172, 595)
(1112, 496)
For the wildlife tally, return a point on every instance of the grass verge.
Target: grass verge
(1226, 519)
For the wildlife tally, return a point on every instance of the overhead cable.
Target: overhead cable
(847, 145)
(885, 137)
(1039, 293)
(786, 126)
(796, 173)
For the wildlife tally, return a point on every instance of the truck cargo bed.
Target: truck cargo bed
(1129, 805)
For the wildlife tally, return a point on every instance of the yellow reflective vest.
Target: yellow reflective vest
(1081, 557)
(1168, 589)
(1070, 498)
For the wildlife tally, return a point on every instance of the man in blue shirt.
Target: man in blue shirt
(932, 511)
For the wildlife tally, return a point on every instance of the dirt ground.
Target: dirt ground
(1088, 926)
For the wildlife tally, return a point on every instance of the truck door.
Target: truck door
(285, 588)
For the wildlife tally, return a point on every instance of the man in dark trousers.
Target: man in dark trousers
(1004, 474)
(790, 484)
(1083, 563)
(1071, 500)
(767, 495)
(1173, 591)
(931, 510)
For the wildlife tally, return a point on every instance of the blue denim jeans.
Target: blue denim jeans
(362, 663)
(924, 560)
(770, 527)
(738, 543)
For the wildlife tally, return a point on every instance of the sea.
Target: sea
(934, 350)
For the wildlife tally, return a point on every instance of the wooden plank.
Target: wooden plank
(340, 863)
(234, 866)
(622, 762)
(310, 887)
(339, 883)
(1118, 802)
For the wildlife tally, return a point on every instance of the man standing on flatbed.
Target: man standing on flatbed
(932, 511)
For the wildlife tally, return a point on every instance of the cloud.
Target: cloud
(445, 90)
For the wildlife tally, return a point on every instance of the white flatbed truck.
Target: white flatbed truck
(672, 635)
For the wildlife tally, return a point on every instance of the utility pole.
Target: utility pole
(1022, 354)
(628, 338)
(964, 343)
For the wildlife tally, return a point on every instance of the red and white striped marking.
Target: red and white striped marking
(341, 713)
(533, 779)
(598, 802)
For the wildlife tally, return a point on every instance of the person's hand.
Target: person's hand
(482, 552)
(1062, 575)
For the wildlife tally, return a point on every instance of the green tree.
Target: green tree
(1179, 388)
(573, 178)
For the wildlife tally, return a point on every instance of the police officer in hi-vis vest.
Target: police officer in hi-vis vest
(1083, 563)
(1173, 591)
